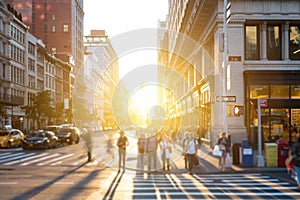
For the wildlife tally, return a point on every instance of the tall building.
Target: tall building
(98, 79)
(262, 48)
(58, 23)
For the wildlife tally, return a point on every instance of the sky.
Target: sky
(119, 16)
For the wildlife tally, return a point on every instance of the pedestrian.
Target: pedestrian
(295, 153)
(183, 149)
(122, 143)
(164, 146)
(152, 144)
(190, 150)
(88, 144)
(109, 147)
(223, 143)
(142, 147)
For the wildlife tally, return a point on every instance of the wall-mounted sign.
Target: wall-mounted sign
(234, 58)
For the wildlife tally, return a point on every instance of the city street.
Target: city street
(63, 173)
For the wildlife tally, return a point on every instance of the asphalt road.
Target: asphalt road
(63, 173)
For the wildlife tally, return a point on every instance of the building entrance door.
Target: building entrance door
(275, 123)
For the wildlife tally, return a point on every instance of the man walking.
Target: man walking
(122, 143)
(152, 152)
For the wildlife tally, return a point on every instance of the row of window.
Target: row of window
(275, 91)
(18, 93)
(17, 75)
(274, 40)
(17, 34)
(17, 54)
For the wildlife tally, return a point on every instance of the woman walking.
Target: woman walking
(223, 143)
(165, 152)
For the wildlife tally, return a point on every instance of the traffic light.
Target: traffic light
(238, 110)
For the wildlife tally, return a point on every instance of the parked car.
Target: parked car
(40, 139)
(54, 128)
(69, 134)
(11, 138)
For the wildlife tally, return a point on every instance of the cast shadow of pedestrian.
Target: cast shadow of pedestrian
(113, 186)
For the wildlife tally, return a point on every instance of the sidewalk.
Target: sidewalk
(209, 164)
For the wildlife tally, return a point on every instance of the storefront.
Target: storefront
(280, 116)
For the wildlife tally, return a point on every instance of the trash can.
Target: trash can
(247, 156)
(283, 150)
(236, 153)
(271, 154)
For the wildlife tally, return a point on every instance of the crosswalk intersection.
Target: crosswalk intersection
(203, 186)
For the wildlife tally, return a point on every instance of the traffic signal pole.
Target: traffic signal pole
(260, 157)
(225, 62)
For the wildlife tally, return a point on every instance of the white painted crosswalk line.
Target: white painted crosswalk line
(25, 159)
(241, 186)
(10, 155)
(40, 159)
(18, 157)
(3, 154)
(53, 161)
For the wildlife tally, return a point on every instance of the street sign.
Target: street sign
(226, 98)
(263, 103)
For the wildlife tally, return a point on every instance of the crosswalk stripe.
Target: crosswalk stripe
(10, 154)
(217, 186)
(223, 193)
(16, 157)
(5, 154)
(40, 159)
(56, 159)
(83, 160)
(24, 159)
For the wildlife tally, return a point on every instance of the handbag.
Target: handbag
(222, 147)
(216, 151)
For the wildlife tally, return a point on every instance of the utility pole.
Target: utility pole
(225, 59)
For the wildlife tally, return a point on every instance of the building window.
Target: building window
(53, 28)
(274, 42)
(66, 28)
(295, 91)
(31, 48)
(53, 17)
(279, 91)
(294, 44)
(259, 91)
(251, 43)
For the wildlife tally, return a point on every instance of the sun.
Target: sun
(140, 104)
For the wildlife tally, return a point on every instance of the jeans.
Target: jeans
(190, 159)
(122, 156)
(152, 158)
(297, 170)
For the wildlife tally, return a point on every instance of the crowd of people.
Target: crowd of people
(153, 145)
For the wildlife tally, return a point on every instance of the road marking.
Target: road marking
(8, 183)
(16, 157)
(83, 160)
(200, 193)
(63, 183)
(44, 158)
(56, 159)
(24, 159)
(7, 156)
